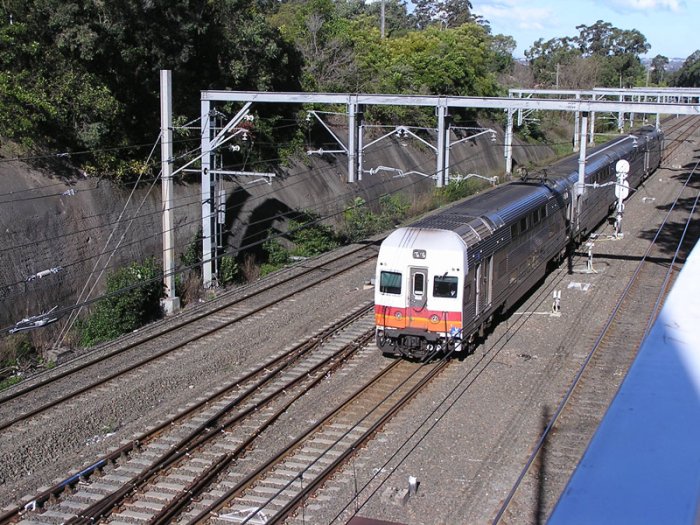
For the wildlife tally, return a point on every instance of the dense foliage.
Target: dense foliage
(362, 222)
(689, 74)
(601, 55)
(132, 300)
(306, 236)
(83, 75)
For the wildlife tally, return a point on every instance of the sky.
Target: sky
(671, 27)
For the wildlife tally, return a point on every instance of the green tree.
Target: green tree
(603, 39)
(620, 50)
(689, 73)
(42, 100)
(321, 36)
(444, 13)
(456, 61)
(657, 73)
(547, 57)
(133, 300)
(601, 54)
(86, 73)
(397, 20)
(503, 47)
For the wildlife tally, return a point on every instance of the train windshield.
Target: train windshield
(390, 282)
(444, 286)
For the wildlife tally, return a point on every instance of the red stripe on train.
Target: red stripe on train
(420, 318)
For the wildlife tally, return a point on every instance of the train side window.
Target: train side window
(540, 214)
(390, 282)
(523, 224)
(445, 286)
(418, 284)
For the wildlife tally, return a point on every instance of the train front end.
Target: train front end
(419, 292)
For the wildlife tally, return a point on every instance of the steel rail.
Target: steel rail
(277, 364)
(169, 349)
(167, 514)
(201, 435)
(249, 480)
(349, 451)
(198, 317)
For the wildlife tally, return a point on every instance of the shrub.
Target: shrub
(15, 348)
(392, 211)
(133, 300)
(360, 222)
(228, 270)
(458, 189)
(311, 237)
(192, 257)
(277, 256)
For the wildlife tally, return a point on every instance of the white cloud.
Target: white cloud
(675, 6)
(517, 13)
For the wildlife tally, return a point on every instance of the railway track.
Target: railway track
(682, 129)
(266, 389)
(279, 487)
(568, 429)
(31, 400)
(216, 450)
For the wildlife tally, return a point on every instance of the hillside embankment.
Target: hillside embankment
(82, 228)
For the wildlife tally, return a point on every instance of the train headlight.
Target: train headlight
(434, 318)
(398, 315)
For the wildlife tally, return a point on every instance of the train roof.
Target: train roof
(491, 210)
(477, 217)
(426, 238)
(597, 156)
(422, 246)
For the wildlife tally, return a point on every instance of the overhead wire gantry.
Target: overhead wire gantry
(582, 106)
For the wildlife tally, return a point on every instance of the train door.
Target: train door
(419, 288)
(477, 291)
(484, 280)
(488, 282)
(647, 162)
(417, 298)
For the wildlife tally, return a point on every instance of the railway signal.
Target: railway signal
(622, 190)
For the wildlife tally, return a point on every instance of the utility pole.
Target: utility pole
(382, 19)
(170, 303)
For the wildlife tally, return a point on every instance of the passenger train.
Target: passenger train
(442, 281)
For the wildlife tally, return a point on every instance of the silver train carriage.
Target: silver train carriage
(442, 281)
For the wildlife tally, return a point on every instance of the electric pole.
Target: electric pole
(170, 303)
(382, 19)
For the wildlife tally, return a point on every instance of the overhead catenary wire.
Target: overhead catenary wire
(86, 302)
(73, 318)
(335, 213)
(339, 199)
(184, 202)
